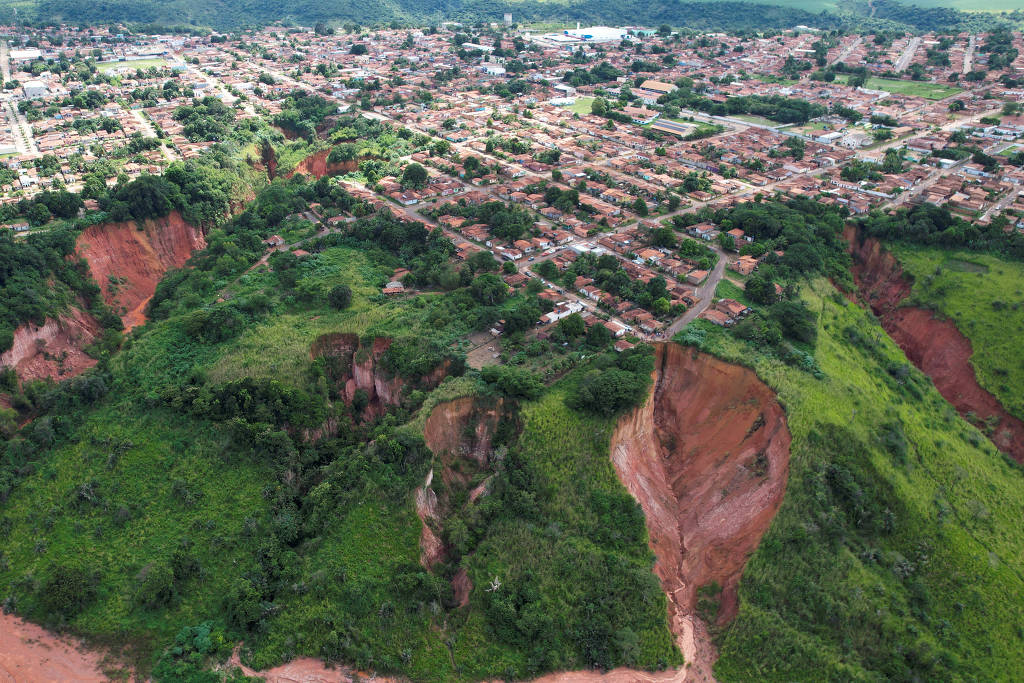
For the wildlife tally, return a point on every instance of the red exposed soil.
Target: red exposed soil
(54, 349)
(316, 165)
(459, 434)
(304, 670)
(707, 458)
(139, 255)
(935, 346)
(29, 653)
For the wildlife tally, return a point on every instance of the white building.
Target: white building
(34, 89)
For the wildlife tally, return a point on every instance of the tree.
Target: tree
(358, 49)
(599, 107)
(572, 326)
(414, 176)
(340, 297)
(726, 241)
(598, 336)
(760, 289)
(482, 262)
(640, 207)
(489, 289)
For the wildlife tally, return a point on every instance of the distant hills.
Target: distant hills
(701, 15)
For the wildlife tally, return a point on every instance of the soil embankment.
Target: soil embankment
(317, 165)
(127, 260)
(53, 349)
(935, 346)
(707, 458)
(357, 371)
(31, 653)
(459, 433)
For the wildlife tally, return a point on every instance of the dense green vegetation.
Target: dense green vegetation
(252, 528)
(40, 278)
(699, 15)
(897, 542)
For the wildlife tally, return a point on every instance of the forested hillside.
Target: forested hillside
(725, 15)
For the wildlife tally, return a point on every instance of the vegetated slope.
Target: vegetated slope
(128, 259)
(897, 551)
(937, 346)
(984, 296)
(707, 457)
(701, 15)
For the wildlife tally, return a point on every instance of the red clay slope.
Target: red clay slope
(317, 166)
(935, 346)
(707, 458)
(140, 256)
(53, 349)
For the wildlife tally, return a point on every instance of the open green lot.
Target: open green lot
(582, 105)
(929, 91)
(134, 64)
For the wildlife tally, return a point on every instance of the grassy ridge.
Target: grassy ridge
(984, 296)
(899, 537)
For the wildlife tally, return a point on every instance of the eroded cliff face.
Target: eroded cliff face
(355, 367)
(460, 434)
(127, 260)
(53, 349)
(935, 346)
(707, 458)
(317, 166)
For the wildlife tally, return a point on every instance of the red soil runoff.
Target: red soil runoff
(935, 346)
(29, 653)
(53, 349)
(139, 253)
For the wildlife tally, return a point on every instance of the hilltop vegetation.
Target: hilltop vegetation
(697, 15)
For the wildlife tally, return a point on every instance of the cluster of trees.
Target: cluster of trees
(935, 225)
(207, 119)
(614, 382)
(774, 107)
(302, 112)
(507, 221)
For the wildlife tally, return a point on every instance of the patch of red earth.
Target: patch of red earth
(317, 166)
(935, 346)
(140, 255)
(29, 653)
(53, 349)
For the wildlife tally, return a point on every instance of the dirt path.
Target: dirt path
(29, 653)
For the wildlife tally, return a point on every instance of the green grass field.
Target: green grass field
(984, 296)
(134, 64)
(929, 91)
(899, 531)
(582, 105)
(757, 120)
